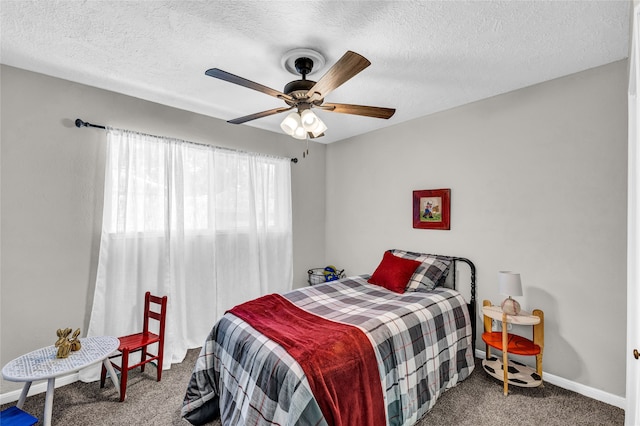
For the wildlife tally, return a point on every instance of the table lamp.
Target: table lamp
(509, 284)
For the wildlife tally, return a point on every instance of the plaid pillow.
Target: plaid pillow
(431, 273)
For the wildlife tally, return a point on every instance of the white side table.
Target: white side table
(42, 364)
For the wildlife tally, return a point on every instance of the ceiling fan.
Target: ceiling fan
(304, 95)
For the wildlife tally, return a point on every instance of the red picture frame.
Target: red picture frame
(432, 209)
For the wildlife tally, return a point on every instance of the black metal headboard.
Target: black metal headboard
(472, 301)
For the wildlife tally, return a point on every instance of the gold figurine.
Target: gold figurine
(66, 344)
(75, 342)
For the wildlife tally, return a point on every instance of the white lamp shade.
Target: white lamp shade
(312, 123)
(319, 128)
(290, 123)
(299, 133)
(509, 283)
(308, 119)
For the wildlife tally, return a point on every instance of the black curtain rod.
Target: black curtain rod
(81, 123)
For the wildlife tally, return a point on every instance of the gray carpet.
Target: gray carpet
(476, 401)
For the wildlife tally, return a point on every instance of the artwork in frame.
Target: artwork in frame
(432, 209)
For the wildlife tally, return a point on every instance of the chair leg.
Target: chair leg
(124, 372)
(159, 366)
(143, 357)
(103, 375)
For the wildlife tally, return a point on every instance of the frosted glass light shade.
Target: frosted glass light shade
(312, 123)
(318, 128)
(290, 123)
(299, 133)
(309, 119)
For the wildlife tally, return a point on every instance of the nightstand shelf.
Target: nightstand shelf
(516, 373)
(516, 345)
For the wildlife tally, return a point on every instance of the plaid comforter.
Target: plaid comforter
(422, 342)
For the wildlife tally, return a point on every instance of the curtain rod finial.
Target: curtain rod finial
(81, 123)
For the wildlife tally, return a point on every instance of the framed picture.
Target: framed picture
(432, 209)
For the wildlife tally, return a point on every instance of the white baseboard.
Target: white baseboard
(37, 388)
(606, 397)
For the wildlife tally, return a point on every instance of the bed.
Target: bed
(371, 349)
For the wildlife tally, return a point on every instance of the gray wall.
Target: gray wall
(538, 186)
(538, 180)
(52, 178)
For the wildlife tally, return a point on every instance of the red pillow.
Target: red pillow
(394, 272)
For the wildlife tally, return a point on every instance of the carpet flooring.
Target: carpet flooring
(478, 401)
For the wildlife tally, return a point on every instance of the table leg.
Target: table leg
(48, 401)
(505, 356)
(23, 395)
(112, 374)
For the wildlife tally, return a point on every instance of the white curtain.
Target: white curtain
(208, 227)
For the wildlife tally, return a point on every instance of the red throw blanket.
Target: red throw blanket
(338, 359)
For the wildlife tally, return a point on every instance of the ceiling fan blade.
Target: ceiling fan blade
(368, 111)
(258, 115)
(232, 78)
(348, 66)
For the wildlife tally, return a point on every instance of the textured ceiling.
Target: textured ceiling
(426, 56)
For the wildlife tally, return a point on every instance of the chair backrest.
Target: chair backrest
(158, 312)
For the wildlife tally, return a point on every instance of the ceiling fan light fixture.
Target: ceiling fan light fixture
(304, 94)
(290, 123)
(299, 124)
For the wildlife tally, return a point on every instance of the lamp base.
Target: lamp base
(510, 306)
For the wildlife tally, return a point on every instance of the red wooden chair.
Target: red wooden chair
(139, 342)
